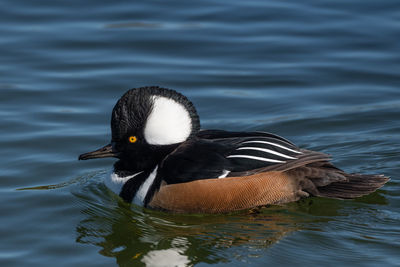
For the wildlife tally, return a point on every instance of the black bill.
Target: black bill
(104, 152)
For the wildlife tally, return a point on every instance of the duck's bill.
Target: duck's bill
(104, 152)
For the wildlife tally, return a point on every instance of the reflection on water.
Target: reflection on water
(136, 236)
(133, 235)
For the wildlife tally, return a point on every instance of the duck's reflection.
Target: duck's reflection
(142, 237)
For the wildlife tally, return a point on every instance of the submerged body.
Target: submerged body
(166, 162)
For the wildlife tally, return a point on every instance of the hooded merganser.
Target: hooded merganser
(166, 162)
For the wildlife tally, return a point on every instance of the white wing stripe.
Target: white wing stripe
(267, 151)
(224, 174)
(273, 144)
(280, 138)
(256, 158)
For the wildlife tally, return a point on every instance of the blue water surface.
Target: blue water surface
(324, 74)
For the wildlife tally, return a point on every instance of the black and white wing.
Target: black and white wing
(219, 154)
(254, 150)
(260, 152)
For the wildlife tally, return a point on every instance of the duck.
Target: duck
(167, 162)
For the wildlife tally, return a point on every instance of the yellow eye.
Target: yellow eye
(132, 139)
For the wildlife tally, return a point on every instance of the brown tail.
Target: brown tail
(357, 185)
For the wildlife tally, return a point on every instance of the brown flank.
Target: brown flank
(272, 187)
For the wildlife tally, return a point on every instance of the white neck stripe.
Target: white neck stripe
(144, 188)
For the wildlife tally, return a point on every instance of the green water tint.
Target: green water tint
(137, 236)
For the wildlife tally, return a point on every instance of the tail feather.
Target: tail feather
(356, 185)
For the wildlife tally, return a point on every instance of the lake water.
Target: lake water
(324, 74)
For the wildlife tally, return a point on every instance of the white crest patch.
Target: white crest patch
(168, 123)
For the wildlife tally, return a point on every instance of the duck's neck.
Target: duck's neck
(144, 180)
(144, 159)
(138, 187)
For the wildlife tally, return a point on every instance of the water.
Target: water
(324, 74)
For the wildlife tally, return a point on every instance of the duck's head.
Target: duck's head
(147, 123)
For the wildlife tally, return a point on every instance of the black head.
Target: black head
(147, 123)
